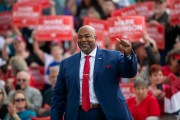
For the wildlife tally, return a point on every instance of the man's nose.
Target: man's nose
(83, 38)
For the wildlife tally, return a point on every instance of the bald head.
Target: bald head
(23, 78)
(87, 39)
(88, 28)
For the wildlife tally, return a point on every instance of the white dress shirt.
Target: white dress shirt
(93, 99)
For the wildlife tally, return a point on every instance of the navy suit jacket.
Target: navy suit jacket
(109, 66)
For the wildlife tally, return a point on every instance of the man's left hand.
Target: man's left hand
(125, 46)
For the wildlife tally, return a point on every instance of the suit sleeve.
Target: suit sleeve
(58, 99)
(127, 65)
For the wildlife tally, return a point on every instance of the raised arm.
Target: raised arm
(36, 48)
(52, 9)
(5, 55)
(128, 63)
(71, 4)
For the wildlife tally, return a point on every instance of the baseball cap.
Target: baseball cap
(177, 56)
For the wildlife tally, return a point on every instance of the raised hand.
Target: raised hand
(125, 46)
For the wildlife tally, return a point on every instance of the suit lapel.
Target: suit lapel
(98, 61)
(76, 69)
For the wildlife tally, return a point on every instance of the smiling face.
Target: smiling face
(19, 101)
(87, 39)
(156, 77)
(23, 79)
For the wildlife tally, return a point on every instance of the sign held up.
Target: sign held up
(54, 28)
(128, 27)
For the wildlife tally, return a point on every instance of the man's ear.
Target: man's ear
(95, 37)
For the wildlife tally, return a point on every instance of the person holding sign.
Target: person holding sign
(87, 86)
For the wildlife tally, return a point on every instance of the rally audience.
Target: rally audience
(143, 105)
(147, 55)
(171, 32)
(33, 95)
(3, 103)
(156, 87)
(19, 50)
(17, 108)
(172, 69)
(45, 111)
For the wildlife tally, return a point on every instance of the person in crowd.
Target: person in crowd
(3, 103)
(172, 73)
(172, 69)
(52, 59)
(3, 70)
(45, 111)
(80, 11)
(83, 95)
(147, 54)
(108, 7)
(17, 109)
(157, 88)
(93, 13)
(19, 46)
(9, 84)
(143, 105)
(33, 95)
(161, 16)
(17, 64)
(73, 46)
(6, 5)
(2, 41)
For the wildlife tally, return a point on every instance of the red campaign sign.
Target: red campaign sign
(99, 25)
(100, 39)
(5, 20)
(38, 75)
(168, 2)
(129, 27)
(142, 9)
(127, 89)
(101, 30)
(25, 15)
(44, 3)
(145, 9)
(54, 28)
(175, 12)
(126, 11)
(157, 32)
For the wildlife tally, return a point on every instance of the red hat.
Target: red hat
(177, 56)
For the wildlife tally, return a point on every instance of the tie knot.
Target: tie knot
(87, 57)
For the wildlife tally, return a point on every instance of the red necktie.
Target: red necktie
(85, 85)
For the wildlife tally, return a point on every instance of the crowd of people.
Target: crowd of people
(156, 83)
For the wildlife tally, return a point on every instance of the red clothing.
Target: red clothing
(148, 107)
(160, 100)
(169, 73)
(166, 70)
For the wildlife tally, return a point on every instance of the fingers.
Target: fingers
(123, 42)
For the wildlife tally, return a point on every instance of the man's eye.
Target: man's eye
(79, 37)
(88, 36)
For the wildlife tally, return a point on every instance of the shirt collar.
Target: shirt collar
(92, 54)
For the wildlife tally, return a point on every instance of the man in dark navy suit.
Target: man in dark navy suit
(87, 86)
